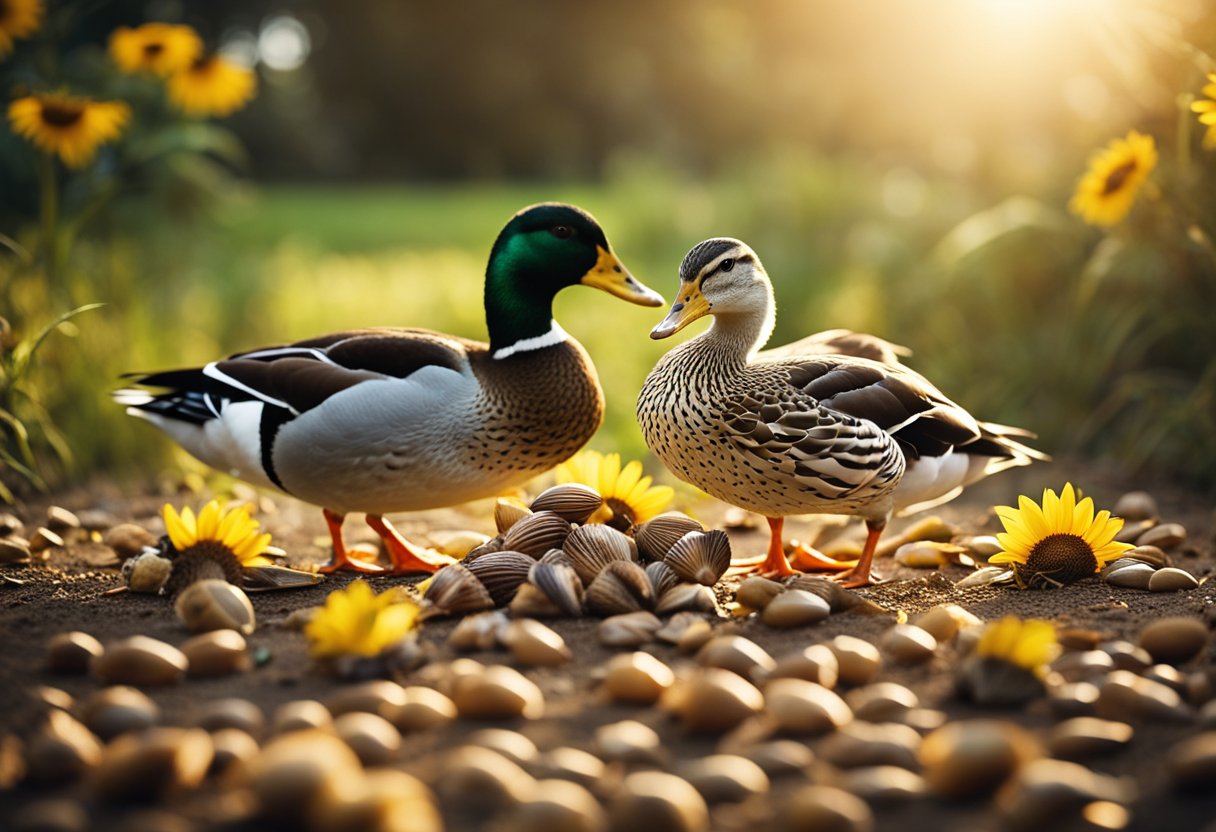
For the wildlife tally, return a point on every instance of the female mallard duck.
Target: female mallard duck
(388, 420)
(830, 424)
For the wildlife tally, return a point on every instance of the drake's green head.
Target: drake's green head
(542, 250)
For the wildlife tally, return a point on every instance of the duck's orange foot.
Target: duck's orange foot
(343, 562)
(808, 559)
(407, 557)
(854, 578)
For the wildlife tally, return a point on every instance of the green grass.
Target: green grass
(995, 308)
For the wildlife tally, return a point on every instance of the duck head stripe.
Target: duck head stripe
(702, 254)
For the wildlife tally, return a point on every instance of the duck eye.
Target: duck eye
(562, 232)
(726, 265)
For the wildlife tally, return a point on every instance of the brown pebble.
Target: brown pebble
(373, 738)
(230, 712)
(117, 710)
(62, 751)
(1125, 696)
(781, 758)
(534, 644)
(884, 785)
(629, 741)
(824, 809)
(799, 707)
(858, 660)
(657, 802)
(872, 744)
(511, 744)
(215, 604)
(301, 715)
(1171, 579)
(1166, 536)
(1192, 763)
(816, 663)
(737, 654)
(296, 773)
(795, 608)
(554, 806)
(1135, 506)
(14, 550)
(725, 778)
(908, 644)
(378, 696)
(44, 539)
(1085, 736)
(424, 708)
(756, 592)
(969, 758)
(149, 765)
(882, 702)
(72, 652)
(483, 779)
(217, 653)
(631, 629)
(1174, 640)
(231, 747)
(713, 700)
(499, 692)
(142, 661)
(637, 678)
(59, 519)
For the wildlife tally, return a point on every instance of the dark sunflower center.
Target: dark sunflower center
(151, 50)
(1063, 558)
(61, 115)
(1118, 176)
(624, 517)
(205, 559)
(202, 64)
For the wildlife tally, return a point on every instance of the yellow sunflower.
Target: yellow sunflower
(356, 621)
(18, 19)
(234, 530)
(1207, 112)
(71, 127)
(212, 86)
(159, 48)
(1028, 644)
(1059, 542)
(1108, 189)
(629, 497)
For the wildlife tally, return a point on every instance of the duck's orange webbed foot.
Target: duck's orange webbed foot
(342, 561)
(407, 557)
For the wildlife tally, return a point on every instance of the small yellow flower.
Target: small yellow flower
(1058, 543)
(1207, 112)
(234, 530)
(212, 86)
(71, 127)
(629, 497)
(1028, 644)
(1106, 192)
(356, 621)
(159, 48)
(18, 19)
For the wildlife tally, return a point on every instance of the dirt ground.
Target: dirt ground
(67, 593)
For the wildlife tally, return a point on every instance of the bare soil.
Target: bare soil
(67, 592)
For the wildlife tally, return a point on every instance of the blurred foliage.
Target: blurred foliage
(900, 170)
(65, 224)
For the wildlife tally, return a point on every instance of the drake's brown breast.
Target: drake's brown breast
(536, 409)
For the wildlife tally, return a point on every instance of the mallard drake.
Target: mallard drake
(392, 420)
(803, 429)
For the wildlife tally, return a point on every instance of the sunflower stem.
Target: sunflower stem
(49, 208)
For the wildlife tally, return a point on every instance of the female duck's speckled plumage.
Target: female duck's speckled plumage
(388, 420)
(803, 428)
